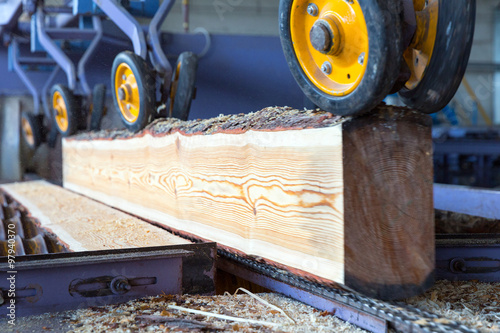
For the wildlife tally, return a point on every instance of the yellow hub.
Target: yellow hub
(330, 40)
(418, 55)
(59, 105)
(173, 87)
(127, 92)
(28, 132)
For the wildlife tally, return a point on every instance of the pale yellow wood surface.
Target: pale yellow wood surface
(84, 224)
(278, 194)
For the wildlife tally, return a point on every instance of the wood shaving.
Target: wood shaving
(160, 314)
(475, 304)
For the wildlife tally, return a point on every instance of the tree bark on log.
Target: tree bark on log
(342, 200)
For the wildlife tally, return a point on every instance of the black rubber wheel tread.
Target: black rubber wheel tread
(449, 59)
(185, 85)
(74, 113)
(36, 125)
(98, 106)
(383, 19)
(146, 84)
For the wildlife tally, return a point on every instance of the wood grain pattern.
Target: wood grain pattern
(84, 224)
(271, 194)
(289, 195)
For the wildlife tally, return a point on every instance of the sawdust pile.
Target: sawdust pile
(473, 303)
(154, 315)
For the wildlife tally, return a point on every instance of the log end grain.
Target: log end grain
(389, 215)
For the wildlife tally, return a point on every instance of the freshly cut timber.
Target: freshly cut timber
(83, 224)
(340, 200)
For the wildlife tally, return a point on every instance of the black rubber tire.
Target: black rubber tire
(146, 84)
(74, 112)
(98, 106)
(383, 19)
(449, 59)
(37, 130)
(185, 90)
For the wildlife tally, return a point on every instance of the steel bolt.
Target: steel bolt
(121, 93)
(320, 37)
(119, 285)
(458, 265)
(361, 58)
(124, 77)
(326, 68)
(312, 9)
(129, 106)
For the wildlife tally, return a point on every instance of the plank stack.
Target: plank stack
(339, 200)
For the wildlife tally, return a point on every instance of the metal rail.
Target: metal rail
(467, 257)
(365, 312)
(56, 282)
(467, 200)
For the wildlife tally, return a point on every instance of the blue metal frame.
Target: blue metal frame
(467, 200)
(54, 50)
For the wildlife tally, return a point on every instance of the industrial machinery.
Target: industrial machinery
(139, 89)
(347, 55)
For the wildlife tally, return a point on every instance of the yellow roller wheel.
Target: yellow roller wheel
(133, 90)
(32, 129)
(336, 43)
(65, 112)
(439, 52)
(345, 55)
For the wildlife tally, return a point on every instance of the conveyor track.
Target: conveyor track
(394, 315)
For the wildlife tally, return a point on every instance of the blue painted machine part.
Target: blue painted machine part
(140, 8)
(10, 11)
(127, 23)
(467, 200)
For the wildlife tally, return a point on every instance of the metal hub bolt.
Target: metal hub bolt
(122, 94)
(321, 38)
(361, 58)
(326, 68)
(124, 77)
(312, 9)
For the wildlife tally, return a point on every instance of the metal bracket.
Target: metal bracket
(468, 257)
(64, 281)
(55, 51)
(127, 23)
(158, 58)
(96, 22)
(14, 55)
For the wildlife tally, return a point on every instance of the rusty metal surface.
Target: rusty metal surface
(56, 282)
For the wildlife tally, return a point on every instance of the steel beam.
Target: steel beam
(467, 200)
(64, 281)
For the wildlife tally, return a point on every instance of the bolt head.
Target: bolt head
(124, 77)
(361, 58)
(312, 9)
(129, 106)
(326, 68)
(121, 93)
(321, 38)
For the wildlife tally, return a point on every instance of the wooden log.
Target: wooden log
(342, 200)
(83, 224)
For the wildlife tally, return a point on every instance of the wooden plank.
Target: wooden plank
(274, 184)
(84, 224)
